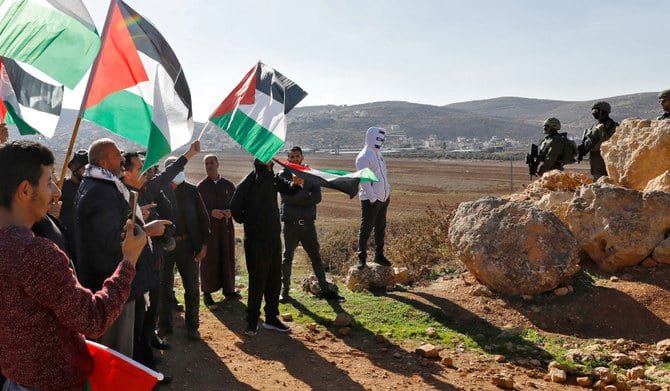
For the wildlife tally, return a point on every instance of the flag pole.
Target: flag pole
(203, 130)
(94, 68)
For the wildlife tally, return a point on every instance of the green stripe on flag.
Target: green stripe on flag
(157, 147)
(125, 114)
(14, 118)
(51, 41)
(365, 175)
(259, 141)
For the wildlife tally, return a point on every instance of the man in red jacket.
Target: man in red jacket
(46, 312)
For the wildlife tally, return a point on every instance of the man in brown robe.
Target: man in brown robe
(217, 270)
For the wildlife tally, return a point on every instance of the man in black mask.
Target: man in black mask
(594, 137)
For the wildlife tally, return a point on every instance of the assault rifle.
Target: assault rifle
(581, 151)
(533, 160)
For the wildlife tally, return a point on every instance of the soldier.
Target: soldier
(551, 149)
(594, 137)
(664, 101)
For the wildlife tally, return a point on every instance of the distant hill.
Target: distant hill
(343, 126)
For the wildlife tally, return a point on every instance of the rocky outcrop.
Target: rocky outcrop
(638, 152)
(513, 247)
(553, 191)
(619, 227)
(373, 276)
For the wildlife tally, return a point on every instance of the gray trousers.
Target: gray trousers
(120, 336)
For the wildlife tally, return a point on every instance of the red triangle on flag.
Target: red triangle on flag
(118, 66)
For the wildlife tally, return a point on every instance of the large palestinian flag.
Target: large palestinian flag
(346, 182)
(28, 102)
(58, 37)
(254, 114)
(138, 89)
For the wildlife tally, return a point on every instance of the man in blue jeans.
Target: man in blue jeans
(298, 212)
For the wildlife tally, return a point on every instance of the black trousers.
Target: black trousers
(183, 256)
(373, 216)
(263, 259)
(302, 231)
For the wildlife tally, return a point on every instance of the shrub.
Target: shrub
(419, 243)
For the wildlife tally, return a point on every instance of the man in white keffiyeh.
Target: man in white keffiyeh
(101, 207)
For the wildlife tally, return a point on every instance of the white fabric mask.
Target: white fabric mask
(179, 178)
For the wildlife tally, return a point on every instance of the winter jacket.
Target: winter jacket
(371, 157)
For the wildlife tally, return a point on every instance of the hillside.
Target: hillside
(330, 126)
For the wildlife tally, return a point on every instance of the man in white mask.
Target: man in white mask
(374, 196)
(192, 232)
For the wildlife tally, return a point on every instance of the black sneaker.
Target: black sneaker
(275, 324)
(333, 296)
(233, 296)
(251, 330)
(381, 260)
(284, 298)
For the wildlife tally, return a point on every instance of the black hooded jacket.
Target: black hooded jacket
(254, 203)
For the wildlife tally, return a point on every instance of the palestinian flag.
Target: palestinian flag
(137, 88)
(31, 104)
(346, 182)
(254, 114)
(113, 371)
(58, 37)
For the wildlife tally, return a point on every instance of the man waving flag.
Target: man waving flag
(254, 113)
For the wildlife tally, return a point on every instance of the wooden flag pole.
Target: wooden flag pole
(61, 181)
(94, 68)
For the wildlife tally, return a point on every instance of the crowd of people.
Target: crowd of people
(96, 259)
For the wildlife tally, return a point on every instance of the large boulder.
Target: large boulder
(512, 246)
(638, 152)
(619, 227)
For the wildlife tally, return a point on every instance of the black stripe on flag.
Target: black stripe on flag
(278, 87)
(149, 41)
(32, 92)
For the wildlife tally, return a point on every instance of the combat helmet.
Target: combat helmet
(553, 123)
(664, 94)
(602, 106)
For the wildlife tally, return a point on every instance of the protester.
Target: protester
(146, 311)
(77, 165)
(254, 205)
(101, 206)
(161, 182)
(298, 212)
(192, 231)
(374, 196)
(46, 312)
(217, 269)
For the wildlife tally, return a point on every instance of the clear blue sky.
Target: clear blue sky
(423, 51)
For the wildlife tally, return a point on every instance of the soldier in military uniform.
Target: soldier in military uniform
(551, 148)
(664, 101)
(594, 137)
